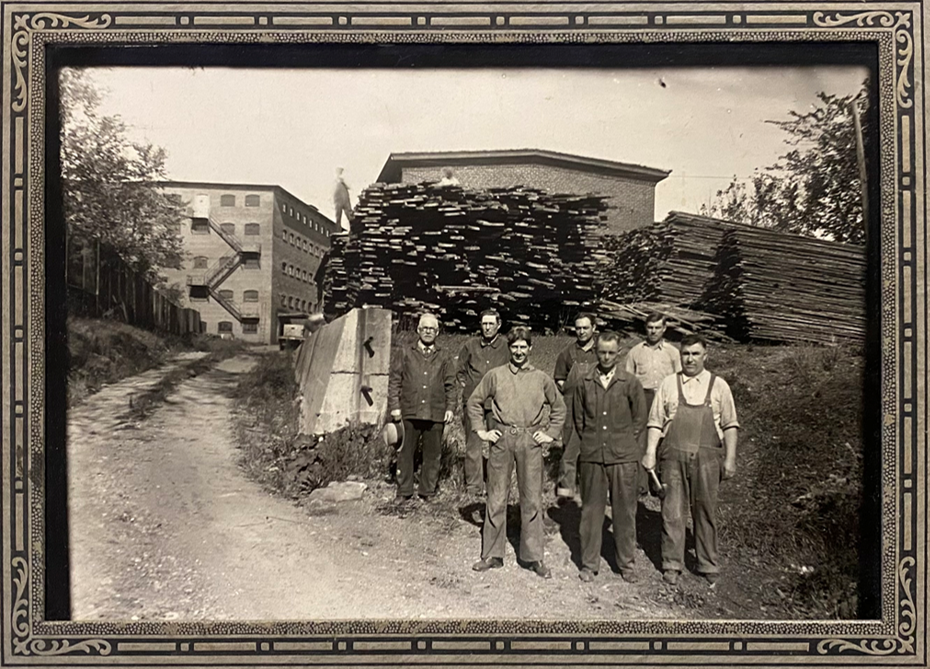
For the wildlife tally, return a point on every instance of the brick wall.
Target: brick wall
(632, 203)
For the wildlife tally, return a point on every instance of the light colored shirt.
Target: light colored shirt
(665, 405)
(651, 364)
(519, 397)
(605, 379)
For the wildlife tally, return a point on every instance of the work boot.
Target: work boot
(711, 579)
(671, 576)
(540, 568)
(629, 576)
(586, 575)
(484, 564)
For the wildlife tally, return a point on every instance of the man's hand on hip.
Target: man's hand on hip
(489, 435)
(395, 415)
(448, 417)
(541, 438)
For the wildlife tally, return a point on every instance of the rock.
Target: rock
(344, 491)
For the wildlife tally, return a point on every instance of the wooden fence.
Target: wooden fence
(101, 285)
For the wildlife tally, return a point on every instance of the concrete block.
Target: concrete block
(342, 370)
(339, 491)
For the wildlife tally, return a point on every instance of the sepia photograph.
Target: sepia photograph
(468, 343)
(458, 334)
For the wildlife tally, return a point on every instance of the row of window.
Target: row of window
(303, 244)
(227, 327)
(202, 262)
(302, 218)
(297, 272)
(250, 200)
(247, 295)
(295, 303)
(202, 227)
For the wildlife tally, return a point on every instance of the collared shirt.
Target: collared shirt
(605, 379)
(477, 357)
(424, 348)
(571, 356)
(651, 364)
(609, 418)
(694, 388)
(421, 384)
(519, 398)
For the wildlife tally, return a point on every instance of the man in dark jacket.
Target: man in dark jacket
(478, 355)
(609, 412)
(421, 392)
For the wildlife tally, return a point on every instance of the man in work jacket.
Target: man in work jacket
(571, 365)
(610, 416)
(519, 395)
(421, 393)
(695, 417)
(477, 357)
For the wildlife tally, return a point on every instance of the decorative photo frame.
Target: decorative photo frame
(897, 638)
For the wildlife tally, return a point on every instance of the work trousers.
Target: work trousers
(474, 457)
(516, 446)
(620, 481)
(428, 434)
(340, 208)
(691, 483)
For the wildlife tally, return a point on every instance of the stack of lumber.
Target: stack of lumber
(778, 287)
(454, 252)
(632, 318)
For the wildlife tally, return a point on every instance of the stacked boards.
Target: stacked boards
(454, 252)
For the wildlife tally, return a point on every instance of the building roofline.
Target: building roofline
(223, 184)
(391, 172)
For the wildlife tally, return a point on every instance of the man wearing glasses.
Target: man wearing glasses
(421, 393)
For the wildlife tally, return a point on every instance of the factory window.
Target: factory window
(253, 200)
(290, 302)
(291, 238)
(200, 262)
(198, 298)
(226, 294)
(228, 201)
(251, 263)
(228, 228)
(253, 229)
(284, 300)
(249, 328)
(200, 226)
(224, 326)
(284, 267)
(250, 296)
(306, 245)
(303, 305)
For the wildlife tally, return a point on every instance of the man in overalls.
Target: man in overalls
(694, 417)
(519, 431)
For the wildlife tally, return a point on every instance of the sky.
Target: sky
(293, 128)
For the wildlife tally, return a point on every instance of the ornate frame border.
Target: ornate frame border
(898, 638)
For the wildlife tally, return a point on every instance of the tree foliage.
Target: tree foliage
(108, 183)
(814, 189)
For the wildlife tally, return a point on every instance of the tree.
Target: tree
(812, 190)
(108, 184)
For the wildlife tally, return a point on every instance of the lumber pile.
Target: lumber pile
(777, 287)
(632, 317)
(454, 252)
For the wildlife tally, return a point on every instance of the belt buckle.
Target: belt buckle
(513, 430)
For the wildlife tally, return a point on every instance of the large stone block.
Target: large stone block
(342, 370)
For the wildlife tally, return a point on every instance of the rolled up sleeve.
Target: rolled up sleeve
(658, 414)
(728, 416)
(557, 409)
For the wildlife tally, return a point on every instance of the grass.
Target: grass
(797, 489)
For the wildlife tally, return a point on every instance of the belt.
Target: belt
(512, 429)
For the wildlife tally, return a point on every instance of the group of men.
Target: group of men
(662, 414)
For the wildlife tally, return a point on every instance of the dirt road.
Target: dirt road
(164, 525)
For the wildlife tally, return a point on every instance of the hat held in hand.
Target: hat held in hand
(393, 433)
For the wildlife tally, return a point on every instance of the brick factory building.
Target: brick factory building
(631, 188)
(252, 253)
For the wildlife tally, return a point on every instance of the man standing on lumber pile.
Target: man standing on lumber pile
(610, 417)
(478, 356)
(694, 417)
(652, 360)
(520, 395)
(421, 393)
(571, 365)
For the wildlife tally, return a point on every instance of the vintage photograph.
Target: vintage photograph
(488, 343)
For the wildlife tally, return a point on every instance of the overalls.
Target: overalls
(691, 465)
